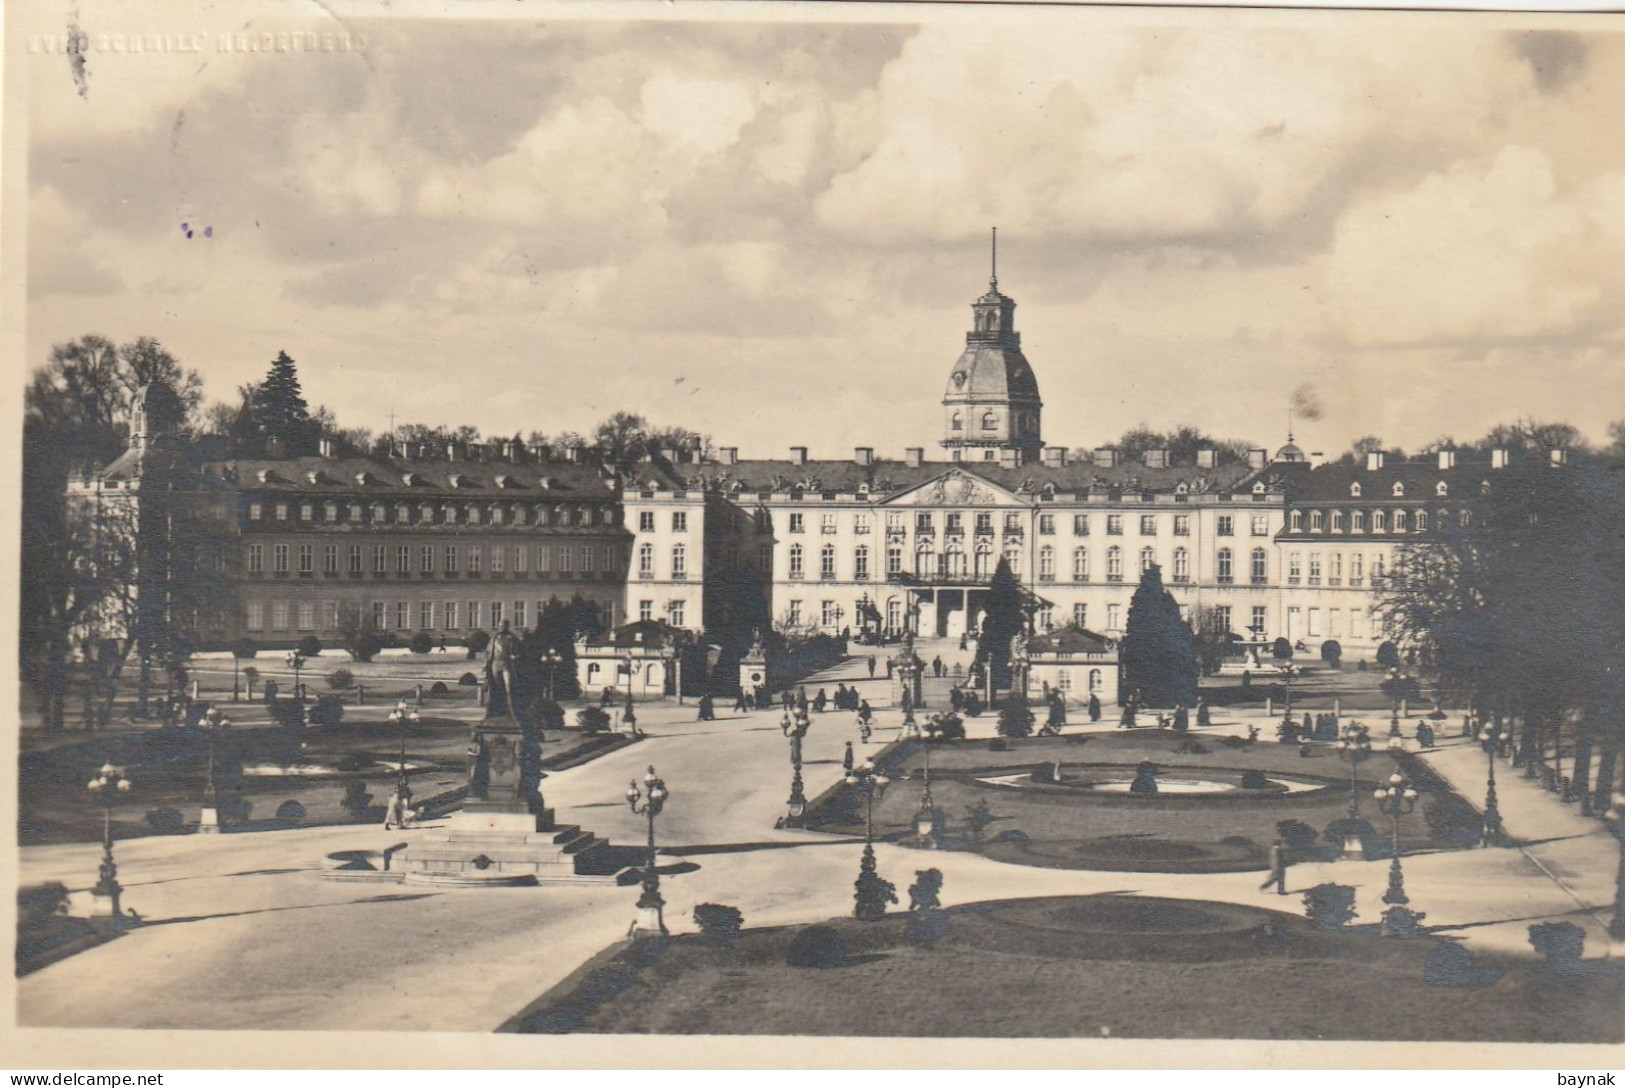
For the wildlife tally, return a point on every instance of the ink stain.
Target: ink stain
(207, 232)
(78, 45)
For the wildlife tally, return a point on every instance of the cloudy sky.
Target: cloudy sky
(770, 231)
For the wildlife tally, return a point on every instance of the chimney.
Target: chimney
(328, 448)
(798, 454)
(1207, 457)
(1498, 458)
(1447, 460)
(1258, 458)
(914, 456)
(1009, 458)
(1105, 457)
(1373, 460)
(864, 455)
(1560, 457)
(1054, 456)
(1156, 458)
(730, 455)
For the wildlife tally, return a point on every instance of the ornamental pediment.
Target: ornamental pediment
(956, 488)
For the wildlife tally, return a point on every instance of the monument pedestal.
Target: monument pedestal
(492, 844)
(208, 821)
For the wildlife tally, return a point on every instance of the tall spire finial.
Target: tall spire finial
(993, 280)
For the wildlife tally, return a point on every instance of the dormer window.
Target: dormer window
(956, 422)
(473, 515)
(362, 479)
(1297, 521)
(1181, 488)
(411, 479)
(496, 515)
(255, 511)
(990, 421)
(1484, 488)
(377, 511)
(313, 477)
(1399, 490)
(541, 515)
(1354, 490)
(448, 514)
(355, 511)
(330, 511)
(403, 513)
(1258, 488)
(264, 475)
(547, 485)
(502, 480)
(1441, 489)
(519, 515)
(426, 514)
(457, 479)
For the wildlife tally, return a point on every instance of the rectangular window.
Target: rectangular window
(566, 561)
(426, 559)
(403, 616)
(498, 554)
(1294, 568)
(826, 613)
(1261, 525)
(473, 615)
(860, 565)
(1314, 569)
(1334, 622)
(451, 558)
(355, 559)
(282, 511)
(1148, 525)
(521, 558)
(894, 521)
(519, 614)
(894, 561)
(279, 558)
(330, 615)
(646, 610)
(403, 559)
(330, 559)
(307, 559)
(1046, 524)
(1227, 525)
(544, 559)
(860, 524)
(256, 558)
(355, 511)
(1356, 570)
(792, 614)
(449, 613)
(922, 522)
(586, 559)
(796, 523)
(474, 554)
(1080, 524)
(1182, 525)
(306, 511)
(256, 616)
(425, 615)
(378, 610)
(1012, 523)
(1112, 615)
(646, 521)
(1221, 618)
(679, 521)
(1114, 524)
(955, 523)
(1080, 615)
(255, 511)
(609, 558)
(1260, 621)
(380, 559)
(279, 616)
(496, 614)
(307, 616)
(675, 614)
(1314, 623)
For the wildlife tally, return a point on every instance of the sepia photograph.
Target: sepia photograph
(848, 532)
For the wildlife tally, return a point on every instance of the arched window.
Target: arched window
(426, 514)
(1357, 521)
(1182, 565)
(1095, 681)
(990, 421)
(1399, 489)
(826, 562)
(541, 515)
(1442, 489)
(1379, 521)
(1421, 521)
(957, 422)
(984, 559)
(1317, 521)
(403, 513)
(956, 558)
(1114, 564)
(1148, 556)
(923, 561)
(496, 515)
(1354, 489)
(1226, 571)
(1334, 569)
(1046, 564)
(795, 560)
(1400, 521)
(1080, 564)
(1296, 521)
(473, 514)
(1337, 521)
(1261, 566)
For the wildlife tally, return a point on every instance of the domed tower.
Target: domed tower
(992, 401)
(156, 414)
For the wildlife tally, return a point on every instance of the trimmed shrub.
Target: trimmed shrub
(365, 646)
(290, 812)
(1281, 650)
(977, 818)
(1254, 780)
(439, 688)
(288, 713)
(38, 903)
(592, 719)
(244, 648)
(1561, 943)
(421, 643)
(468, 680)
(718, 924)
(476, 643)
(166, 821)
(1388, 655)
(1300, 838)
(547, 713)
(327, 710)
(341, 679)
(816, 946)
(310, 646)
(927, 924)
(1015, 719)
(1329, 906)
(1331, 652)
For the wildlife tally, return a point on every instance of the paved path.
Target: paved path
(246, 934)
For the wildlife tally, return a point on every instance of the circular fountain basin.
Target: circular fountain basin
(1119, 782)
(328, 770)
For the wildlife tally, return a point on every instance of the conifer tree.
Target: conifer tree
(1004, 621)
(279, 411)
(1158, 652)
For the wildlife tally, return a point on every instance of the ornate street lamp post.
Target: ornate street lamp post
(404, 717)
(209, 816)
(925, 818)
(111, 782)
(552, 660)
(296, 662)
(1397, 798)
(795, 727)
(651, 920)
(1288, 671)
(1355, 746)
(868, 782)
(1393, 726)
(1494, 834)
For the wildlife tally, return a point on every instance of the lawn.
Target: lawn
(1069, 825)
(1079, 967)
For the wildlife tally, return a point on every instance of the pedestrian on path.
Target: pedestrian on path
(871, 666)
(741, 704)
(1278, 865)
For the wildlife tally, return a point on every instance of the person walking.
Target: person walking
(1278, 865)
(871, 666)
(820, 701)
(741, 703)
(1094, 707)
(936, 666)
